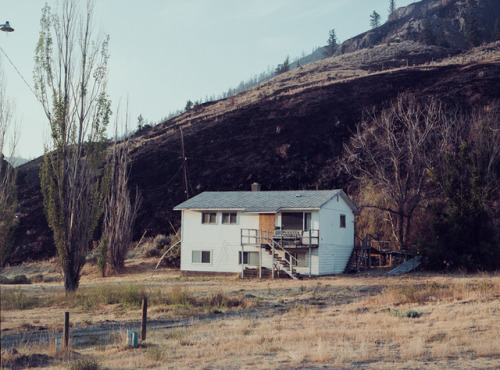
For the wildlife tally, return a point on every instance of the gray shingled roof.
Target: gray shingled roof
(262, 201)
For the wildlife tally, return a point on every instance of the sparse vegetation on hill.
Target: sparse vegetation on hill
(288, 132)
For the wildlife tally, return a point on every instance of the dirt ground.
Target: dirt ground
(347, 321)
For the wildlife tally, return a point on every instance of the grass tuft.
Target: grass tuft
(129, 295)
(19, 300)
(84, 364)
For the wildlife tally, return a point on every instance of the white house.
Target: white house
(298, 232)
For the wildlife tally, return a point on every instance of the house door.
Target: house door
(266, 223)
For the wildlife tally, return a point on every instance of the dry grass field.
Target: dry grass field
(351, 321)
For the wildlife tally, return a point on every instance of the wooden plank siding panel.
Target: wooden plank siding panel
(267, 223)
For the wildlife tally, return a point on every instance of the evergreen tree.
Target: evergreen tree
(428, 36)
(463, 232)
(392, 6)
(496, 31)
(374, 19)
(472, 33)
(282, 68)
(331, 44)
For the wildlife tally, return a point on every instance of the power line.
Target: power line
(20, 75)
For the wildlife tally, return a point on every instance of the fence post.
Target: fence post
(66, 331)
(144, 318)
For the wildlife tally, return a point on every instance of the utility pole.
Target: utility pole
(184, 167)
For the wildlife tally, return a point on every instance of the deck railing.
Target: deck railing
(286, 238)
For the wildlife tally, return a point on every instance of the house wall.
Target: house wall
(336, 243)
(222, 240)
(315, 225)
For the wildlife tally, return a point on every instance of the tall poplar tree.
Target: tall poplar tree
(71, 66)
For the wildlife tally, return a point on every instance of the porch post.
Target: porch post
(272, 265)
(310, 235)
(242, 261)
(260, 254)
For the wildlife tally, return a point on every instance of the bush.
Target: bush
(18, 279)
(18, 300)
(160, 241)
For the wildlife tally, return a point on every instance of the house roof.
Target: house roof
(263, 201)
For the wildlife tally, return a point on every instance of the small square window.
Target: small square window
(342, 222)
(249, 258)
(229, 218)
(209, 218)
(201, 256)
(300, 259)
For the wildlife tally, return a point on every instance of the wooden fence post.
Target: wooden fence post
(66, 331)
(144, 318)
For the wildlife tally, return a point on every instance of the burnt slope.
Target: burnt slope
(285, 134)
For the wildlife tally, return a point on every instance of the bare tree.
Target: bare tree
(120, 212)
(70, 81)
(8, 200)
(393, 152)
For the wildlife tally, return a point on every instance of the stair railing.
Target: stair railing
(266, 237)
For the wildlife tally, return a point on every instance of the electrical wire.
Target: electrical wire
(20, 75)
(164, 185)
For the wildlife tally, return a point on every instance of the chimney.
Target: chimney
(255, 186)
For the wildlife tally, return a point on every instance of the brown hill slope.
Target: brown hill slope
(285, 134)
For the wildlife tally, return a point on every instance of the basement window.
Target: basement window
(299, 260)
(249, 258)
(201, 257)
(209, 218)
(342, 222)
(229, 218)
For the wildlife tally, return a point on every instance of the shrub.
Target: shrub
(18, 279)
(85, 364)
(18, 300)
(179, 296)
(160, 241)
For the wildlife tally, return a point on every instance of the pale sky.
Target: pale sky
(165, 52)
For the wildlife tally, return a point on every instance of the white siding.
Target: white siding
(336, 243)
(222, 240)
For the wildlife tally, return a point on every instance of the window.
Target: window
(249, 258)
(342, 221)
(292, 221)
(209, 218)
(201, 256)
(307, 221)
(296, 221)
(300, 259)
(229, 218)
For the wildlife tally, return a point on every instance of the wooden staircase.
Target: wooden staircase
(360, 256)
(253, 273)
(280, 263)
